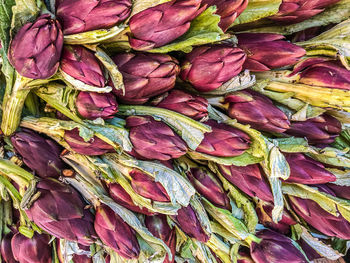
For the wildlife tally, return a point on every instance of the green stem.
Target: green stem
(13, 191)
(32, 104)
(13, 105)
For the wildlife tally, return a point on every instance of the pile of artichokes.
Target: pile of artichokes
(174, 131)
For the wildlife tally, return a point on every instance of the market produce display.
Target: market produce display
(187, 131)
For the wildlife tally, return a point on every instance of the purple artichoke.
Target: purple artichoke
(195, 107)
(225, 62)
(40, 154)
(229, 10)
(145, 75)
(35, 50)
(92, 105)
(317, 217)
(31, 250)
(120, 196)
(305, 170)
(161, 24)
(115, 233)
(275, 248)
(60, 211)
(309, 251)
(160, 228)
(81, 64)
(295, 11)
(248, 179)
(250, 107)
(6, 250)
(187, 221)
(79, 16)
(153, 139)
(323, 72)
(319, 130)
(340, 190)
(244, 257)
(209, 186)
(223, 141)
(93, 147)
(267, 51)
(145, 186)
(264, 213)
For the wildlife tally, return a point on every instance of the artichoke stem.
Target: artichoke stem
(12, 109)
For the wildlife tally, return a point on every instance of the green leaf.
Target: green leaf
(241, 201)
(61, 98)
(241, 160)
(343, 176)
(220, 248)
(232, 224)
(329, 203)
(192, 132)
(204, 29)
(276, 168)
(94, 36)
(23, 12)
(331, 156)
(201, 213)
(321, 248)
(88, 189)
(292, 144)
(258, 9)
(5, 23)
(112, 68)
(115, 136)
(178, 188)
(300, 110)
(332, 15)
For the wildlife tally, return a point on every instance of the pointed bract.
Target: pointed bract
(209, 186)
(120, 196)
(92, 105)
(305, 170)
(266, 51)
(318, 218)
(209, 67)
(160, 228)
(187, 221)
(319, 130)
(145, 75)
(248, 179)
(81, 64)
(35, 50)
(145, 186)
(95, 146)
(223, 141)
(228, 10)
(40, 154)
(264, 212)
(115, 233)
(31, 250)
(161, 24)
(195, 107)
(323, 72)
(79, 16)
(295, 11)
(257, 110)
(275, 248)
(154, 140)
(6, 250)
(60, 211)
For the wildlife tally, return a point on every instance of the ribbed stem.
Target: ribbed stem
(13, 105)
